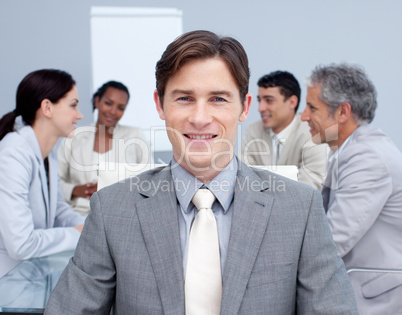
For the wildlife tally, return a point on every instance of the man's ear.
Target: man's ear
(159, 106)
(293, 101)
(344, 112)
(246, 107)
(46, 108)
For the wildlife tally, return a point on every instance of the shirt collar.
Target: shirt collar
(284, 134)
(222, 186)
(333, 155)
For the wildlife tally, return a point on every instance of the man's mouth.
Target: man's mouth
(200, 137)
(266, 116)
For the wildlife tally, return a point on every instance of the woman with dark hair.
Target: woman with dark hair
(107, 141)
(35, 219)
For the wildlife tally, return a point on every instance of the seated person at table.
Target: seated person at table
(106, 142)
(35, 219)
(280, 137)
(362, 192)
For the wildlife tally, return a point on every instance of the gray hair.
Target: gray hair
(346, 83)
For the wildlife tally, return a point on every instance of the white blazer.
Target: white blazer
(299, 150)
(29, 211)
(76, 158)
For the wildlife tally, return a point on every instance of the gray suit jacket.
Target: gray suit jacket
(363, 198)
(281, 257)
(299, 150)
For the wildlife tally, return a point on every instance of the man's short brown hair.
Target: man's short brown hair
(203, 45)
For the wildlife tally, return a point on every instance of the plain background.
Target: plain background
(293, 35)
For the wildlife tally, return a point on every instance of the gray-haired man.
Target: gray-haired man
(363, 189)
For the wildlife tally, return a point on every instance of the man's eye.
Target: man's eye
(184, 98)
(219, 99)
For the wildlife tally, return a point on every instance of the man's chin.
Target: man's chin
(266, 125)
(196, 164)
(316, 138)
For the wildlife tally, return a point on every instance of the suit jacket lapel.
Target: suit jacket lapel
(252, 209)
(45, 190)
(288, 148)
(331, 181)
(53, 189)
(158, 217)
(268, 159)
(29, 134)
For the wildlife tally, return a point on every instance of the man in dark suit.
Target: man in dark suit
(275, 250)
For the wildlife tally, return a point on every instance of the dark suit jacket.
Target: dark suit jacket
(281, 257)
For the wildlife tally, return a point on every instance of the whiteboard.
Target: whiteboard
(126, 43)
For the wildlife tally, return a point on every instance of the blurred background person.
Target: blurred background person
(35, 219)
(280, 137)
(362, 192)
(106, 141)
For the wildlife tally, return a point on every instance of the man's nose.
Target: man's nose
(200, 114)
(305, 116)
(261, 106)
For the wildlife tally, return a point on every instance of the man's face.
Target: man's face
(201, 109)
(323, 125)
(276, 113)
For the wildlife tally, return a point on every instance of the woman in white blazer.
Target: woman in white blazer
(106, 141)
(35, 220)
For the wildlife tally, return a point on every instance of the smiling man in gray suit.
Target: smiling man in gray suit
(363, 189)
(276, 251)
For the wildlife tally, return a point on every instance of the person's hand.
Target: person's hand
(85, 191)
(79, 227)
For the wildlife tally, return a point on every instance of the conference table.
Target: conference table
(27, 287)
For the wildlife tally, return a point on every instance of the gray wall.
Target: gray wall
(288, 35)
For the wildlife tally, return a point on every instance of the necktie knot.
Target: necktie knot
(203, 199)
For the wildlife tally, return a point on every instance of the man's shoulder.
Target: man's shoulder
(256, 127)
(372, 146)
(120, 199)
(302, 127)
(140, 183)
(274, 182)
(367, 140)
